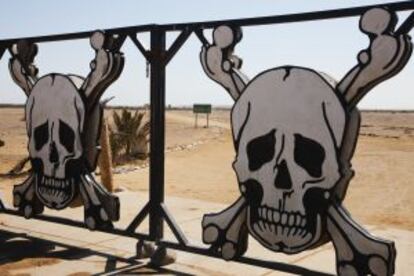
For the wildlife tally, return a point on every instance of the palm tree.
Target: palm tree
(130, 134)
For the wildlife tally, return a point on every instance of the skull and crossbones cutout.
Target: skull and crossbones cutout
(295, 131)
(63, 117)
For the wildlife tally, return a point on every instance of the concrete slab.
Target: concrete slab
(82, 252)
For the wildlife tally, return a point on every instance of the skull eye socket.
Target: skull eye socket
(41, 135)
(66, 136)
(309, 154)
(261, 150)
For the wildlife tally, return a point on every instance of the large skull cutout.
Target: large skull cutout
(295, 131)
(55, 117)
(286, 163)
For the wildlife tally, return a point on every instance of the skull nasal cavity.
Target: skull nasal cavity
(53, 155)
(283, 180)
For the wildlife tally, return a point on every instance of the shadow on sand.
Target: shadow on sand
(17, 247)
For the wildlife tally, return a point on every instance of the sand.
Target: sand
(199, 163)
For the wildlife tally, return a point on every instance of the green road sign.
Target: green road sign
(202, 108)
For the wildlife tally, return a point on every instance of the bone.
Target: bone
(347, 151)
(90, 136)
(220, 64)
(386, 55)
(227, 230)
(22, 69)
(101, 207)
(105, 68)
(357, 251)
(25, 198)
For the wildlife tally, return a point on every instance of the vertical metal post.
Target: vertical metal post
(157, 139)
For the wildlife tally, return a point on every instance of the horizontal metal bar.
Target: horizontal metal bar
(265, 20)
(78, 35)
(296, 17)
(79, 224)
(185, 248)
(181, 247)
(293, 269)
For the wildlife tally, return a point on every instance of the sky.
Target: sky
(330, 46)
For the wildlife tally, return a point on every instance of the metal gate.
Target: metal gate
(158, 56)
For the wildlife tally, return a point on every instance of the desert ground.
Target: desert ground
(199, 163)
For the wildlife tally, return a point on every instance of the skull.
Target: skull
(55, 117)
(287, 129)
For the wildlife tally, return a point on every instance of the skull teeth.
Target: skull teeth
(53, 195)
(279, 230)
(273, 216)
(56, 183)
(55, 190)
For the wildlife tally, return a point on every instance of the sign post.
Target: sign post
(203, 109)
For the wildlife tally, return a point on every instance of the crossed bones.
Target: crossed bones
(357, 251)
(101, 207)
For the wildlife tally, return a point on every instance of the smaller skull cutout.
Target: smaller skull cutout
(55, 118)
(63, 123)
(287, 127)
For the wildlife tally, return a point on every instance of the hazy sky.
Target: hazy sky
(330, 46)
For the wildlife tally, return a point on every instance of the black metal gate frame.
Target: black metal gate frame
(159, 57)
